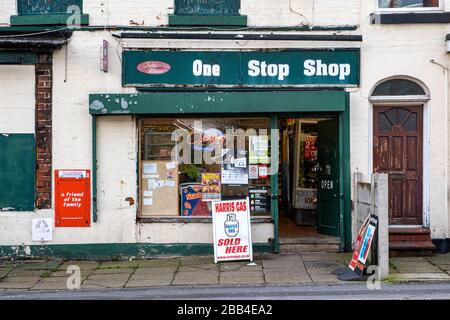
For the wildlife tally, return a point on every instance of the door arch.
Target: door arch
(398, 146)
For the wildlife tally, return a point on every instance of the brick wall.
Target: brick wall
(44, 131)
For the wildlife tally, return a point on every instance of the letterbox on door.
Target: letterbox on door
(72, 198)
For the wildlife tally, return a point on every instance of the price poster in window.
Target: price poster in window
(211, 186)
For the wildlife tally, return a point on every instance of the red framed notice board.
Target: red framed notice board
(72, 198)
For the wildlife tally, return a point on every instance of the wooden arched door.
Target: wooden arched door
(398, 151)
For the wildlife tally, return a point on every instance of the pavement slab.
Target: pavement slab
(18, 282)
(240, 266)
(411, 277)
(27, 273)
(243, 278)
(119, 264)
(83, 265)
(196, 260)
(319, 256)
(151, 282)
(40, 265)
(113, 271)
(159, 263)
(321, 267)
(155, 271)
(106, 281)
(51, 284)
(4, 272)
(287, 278)
(199, 268)
(196, 278)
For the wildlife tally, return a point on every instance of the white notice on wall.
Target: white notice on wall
(150, 168)
(148, 193)
(170, 165)
(148, 201)
(170, 183)
(42, 229)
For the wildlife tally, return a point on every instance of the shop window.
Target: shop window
(408, 4)
(207, 13)
(186, 164)
(46, 12)
(17, 172)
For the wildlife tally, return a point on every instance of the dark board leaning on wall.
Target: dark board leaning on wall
(17, 172)
(207, 7)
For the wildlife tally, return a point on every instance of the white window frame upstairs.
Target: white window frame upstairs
(440, 8)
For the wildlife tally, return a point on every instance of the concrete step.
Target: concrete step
(309, 247)
(410, 242)
(318, 243)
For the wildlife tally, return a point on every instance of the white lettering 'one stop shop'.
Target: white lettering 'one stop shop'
(258, 68)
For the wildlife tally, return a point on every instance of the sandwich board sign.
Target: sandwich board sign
(232, 230)
(363, 244)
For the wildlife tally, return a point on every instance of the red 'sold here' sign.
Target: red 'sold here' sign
(72, 198)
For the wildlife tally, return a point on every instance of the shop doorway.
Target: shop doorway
(311, 170)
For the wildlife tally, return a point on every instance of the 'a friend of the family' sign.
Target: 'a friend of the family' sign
(232, 231)
(295, 68)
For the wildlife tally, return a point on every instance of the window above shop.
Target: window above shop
(409, 5)
(409, 11)
(45, 12)
(207, 13)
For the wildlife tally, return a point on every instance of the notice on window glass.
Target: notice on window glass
(259, 149)
(211, 186)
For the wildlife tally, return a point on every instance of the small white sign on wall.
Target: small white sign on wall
(42, 229)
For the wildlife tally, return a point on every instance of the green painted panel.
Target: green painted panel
(217, 102)
(207, 7)
(17, 57)
(329, 177)
(17, 172)
(27, 7)
(114, 251)
(336, 67)
(175, 20)
(46, 19)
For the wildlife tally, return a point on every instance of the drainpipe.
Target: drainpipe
(446, 138)
(94, 168)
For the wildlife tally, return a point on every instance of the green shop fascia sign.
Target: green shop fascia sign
(290, 68)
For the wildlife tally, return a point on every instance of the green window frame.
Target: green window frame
(207, 13)
(43, 12)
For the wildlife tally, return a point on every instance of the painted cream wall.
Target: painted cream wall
(117, 156)
(17, 99)
(259, 12)
(387, 50)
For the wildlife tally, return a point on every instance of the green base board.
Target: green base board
(194, 20)
(46, 19)
(114, 251)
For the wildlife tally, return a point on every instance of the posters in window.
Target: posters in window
(211, 186)
(259, 149)
(234, 172)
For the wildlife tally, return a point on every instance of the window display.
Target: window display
(186, 164)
